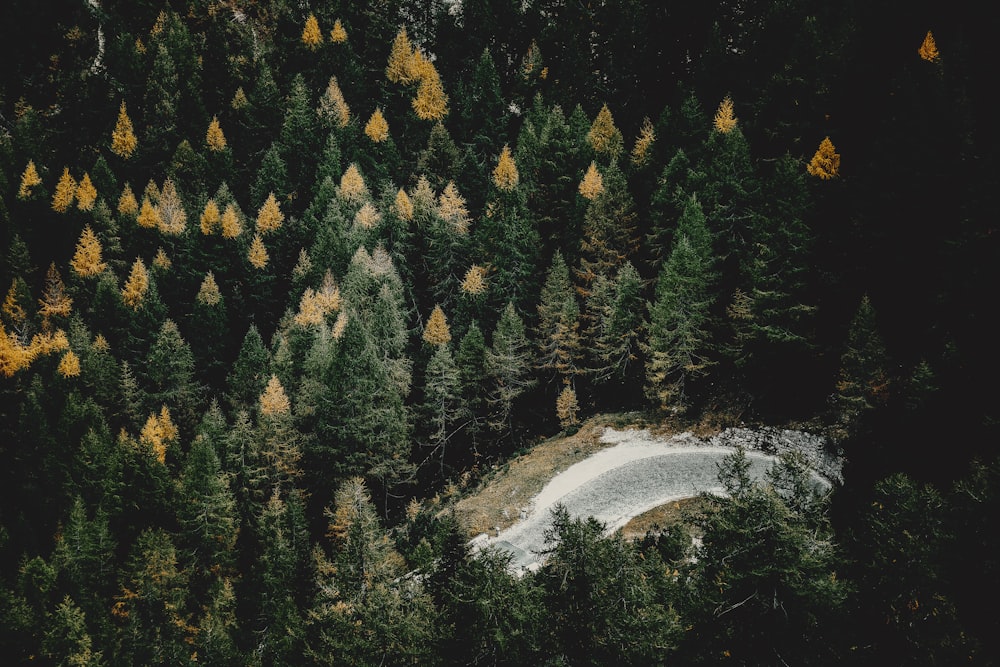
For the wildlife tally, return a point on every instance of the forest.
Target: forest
(282, 281)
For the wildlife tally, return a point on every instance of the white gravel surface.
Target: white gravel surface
(642, 472)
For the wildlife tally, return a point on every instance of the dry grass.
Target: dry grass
(502, 495)
(659, 517)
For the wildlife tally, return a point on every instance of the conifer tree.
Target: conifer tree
(210, 218)
(376, 128)
(170, 375)
(208, 293)
(87, 258)
(333, 109)
(249, 374)
(608, 230)
(257, 254)
(560, 347)
(230, 222)
(269, 216)
(29, 179)
(352, 185)
(337, 34)
(604, 137)
(149, 215)
(439, 162)
(127, 204)
(403, 206)
(567, 407)
(123, 139)
(825, 163)
(436, 332)
(444, 406)
(618, 326)
(643, 144)
(592, 183)
(86, 193)
(505, 176)
(508, 362)
(312, 36)
(136, 286)
(55, 301)
(65, 192)
(928, 49)
(206, 511)
(272, 176)
(69, 365)
(66, 640)
(725, 118)
(214, 138)
(274, 401)
(452, 209)
(398, 68)
(431, 102)
(863, 379)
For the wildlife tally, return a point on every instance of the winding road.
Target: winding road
(619, 483)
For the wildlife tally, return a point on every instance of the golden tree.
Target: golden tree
(231, 227)
(928, 49)
(239, 101)
(29, 179)
(86, 260)
(725, 117)
(474, 282)
(127, 204)
(505, 174)
(337, 34)
(338, 327)
(352, 185)
(149, 215)
(332, 105)
(430, 103)
(398, 68)
(367, 216)
(161, 260)
(210, 218)
(65, 192)
(215, 139)
(567, 407)
(55, 301)
(376, 128)
(437, 332)
(14, 356)
(258, 253)
(136, 286)
(274, 401)
(328, 294)
(604, 137)
(451, 207)
(12, 308)
(825, 164)
(123, 141)
(152, 192)
(173, 218)
(208, 293)
(158, 433)
(592, 183)
(403, 206)
(86, 193)
(311, 35)
(269, 216)
(69, 365)
(640, 151)
(310, 311)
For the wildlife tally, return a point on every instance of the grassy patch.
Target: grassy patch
(660, 517)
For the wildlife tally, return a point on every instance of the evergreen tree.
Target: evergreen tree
(559, 338)
(863, 379)
(206, 512)
(616, 309)
(443, 408)
(508, 362)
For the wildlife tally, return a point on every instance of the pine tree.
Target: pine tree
(337, 34)
(928, 49)
(86, 193)
(592, 183)
(249, 374)
(230, 222)
(618, 327)
(560, 347)
(377, 129)
(206, 512)
(173, 217)
(136, 286)
(608, 231)
(863, 379)
(444, 406)
(55, 301)
(508, 362)
(436, 332)
(725, 118)
(825, 164)
(127, 204)
(123, 140)
(29, 179)
(604, 137)
(149, 215)
(69, 365)
(352, 185)
(312, 36)
(452, 209)
(210, 218)
(170, 375)
(66, 640)
(269, 216)
(87, 258)
(332, 107)
(567, 407)
(214, 138)
(208, 293)
(643, 144)
(402, 206)
(505, 175)
(398, 68)
(431, 102)
(274, 401)
(62, 199)
(257, 254)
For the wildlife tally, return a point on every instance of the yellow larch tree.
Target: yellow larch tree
(567, 407)
(136, 286)
(604, 137)
(825, 163)
(65, 192)
(127, 204)
(338, 327)
(269, 216)
(422, 196)
(437, 332)
(328, 294)
(312, 37)
(86, 260)
(451, 207)
(158, 433)
(149, 215)
(210, 218)
(12, 309)
(398, 68)
(592, 183)
(231, 226)
(161, 260)
(474, 282)
(725, 116)
(239, 101)
(258, 253)
(643, 143)
(123, 141)
(367, 216)
(173, 218)
(505, 175)
(86, 193)
(337, 34)
(274, 401)
(208, 293)
(214, 138)
(377, 129)
(403, 206)
(152, 192)
(352, 185)
(55, 301)
(332, 105)
(928, 49)
(69, 365)
(310, 312)
(431, 103)
(14, 356)
(29, 179)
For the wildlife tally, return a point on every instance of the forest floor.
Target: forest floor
(618, 474)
